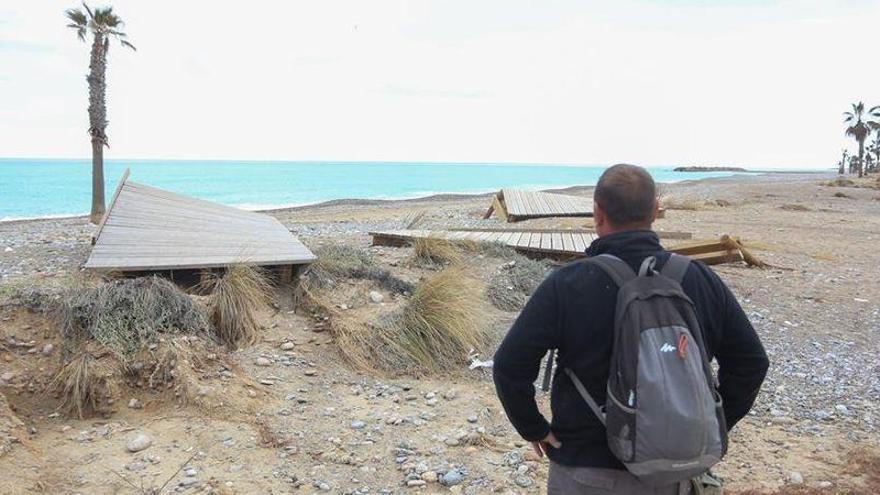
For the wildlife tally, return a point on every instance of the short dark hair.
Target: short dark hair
(627, 194)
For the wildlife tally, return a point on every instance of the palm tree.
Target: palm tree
(841, 165)
(103, 24)
(859, 129)
(875, 148)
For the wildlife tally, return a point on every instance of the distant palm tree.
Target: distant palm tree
(859, 129)
(875, 148)
(841, 165)
(103, 24)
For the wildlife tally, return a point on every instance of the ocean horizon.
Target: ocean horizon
(45, 188)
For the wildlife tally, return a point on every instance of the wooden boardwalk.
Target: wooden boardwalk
(150, 229)
(557, 244)
(514, 205)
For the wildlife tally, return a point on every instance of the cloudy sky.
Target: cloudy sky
(657, 82)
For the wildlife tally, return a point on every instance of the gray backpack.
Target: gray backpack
(663, 414)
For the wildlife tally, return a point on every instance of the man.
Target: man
(573, 311)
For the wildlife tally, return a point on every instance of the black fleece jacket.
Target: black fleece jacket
(573, 311)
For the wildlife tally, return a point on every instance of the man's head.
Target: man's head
(625, 199)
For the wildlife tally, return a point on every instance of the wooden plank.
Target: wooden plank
(115, 197)
(567, 242)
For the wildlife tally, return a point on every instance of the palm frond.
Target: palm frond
(127, 44)
(848, 117)
(77, 16)
(89, 10)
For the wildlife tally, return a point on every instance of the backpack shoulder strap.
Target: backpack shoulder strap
(615, 267)
(676, 266)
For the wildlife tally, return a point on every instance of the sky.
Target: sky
(655, 82)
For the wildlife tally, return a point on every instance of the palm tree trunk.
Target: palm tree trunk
(97, 181)
(97, 122)
(861, 157)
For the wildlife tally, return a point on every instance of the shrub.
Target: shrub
(235, 297)
(440, 324)
(337, 262)
(124, 315)
(434, 331)
(514, 283)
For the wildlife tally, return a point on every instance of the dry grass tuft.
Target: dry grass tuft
(86, 382)
(338, 262)
(235, 298)
(794, 207)
(840, 182)
(441, 324)
(497, 250)
(514, 283)
(434, 331)
(434, 251)
(841, 194)
(126, 314)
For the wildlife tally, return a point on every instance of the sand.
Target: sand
(325, 427)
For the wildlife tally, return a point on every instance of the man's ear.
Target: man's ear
(599, 217)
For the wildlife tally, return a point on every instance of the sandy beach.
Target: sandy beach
(817, 310)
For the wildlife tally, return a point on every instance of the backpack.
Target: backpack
(663, 414)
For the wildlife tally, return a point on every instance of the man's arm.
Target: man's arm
(518, 360)
(741, 358)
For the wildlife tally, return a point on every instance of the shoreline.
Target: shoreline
(449, 196)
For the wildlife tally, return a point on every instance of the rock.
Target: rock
(287, 346)
(414, 483)
(47, 349)
(7, 377)
(261, 361)
(825, 484)
(795, 478)
(135, 404)
(842, 409)
(190, 472)
(8, 249)
(523, 481)
(429, 476)
(376, 297)
(358, 424)
(450, 394)
(452, 477)
(472, 418)
(139, 442)
(310, 372)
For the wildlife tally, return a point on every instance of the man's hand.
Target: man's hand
(542, 445)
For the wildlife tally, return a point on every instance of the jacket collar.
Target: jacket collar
(627, 243)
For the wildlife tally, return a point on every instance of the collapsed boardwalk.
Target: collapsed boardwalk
(569, 244)
(148, 229)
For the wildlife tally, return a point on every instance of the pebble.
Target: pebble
(523, 481)
(135, 404)
(376, 297)
(190, 472)
(452, 477)
(139, 442)
(472, 418)
(796, 478)
(47, 349)
(414, 483)
(429, 476)
(358, 424)
(7, 377)
(287, 346)
(261, 361)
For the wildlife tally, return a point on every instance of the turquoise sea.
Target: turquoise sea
(33, 188)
